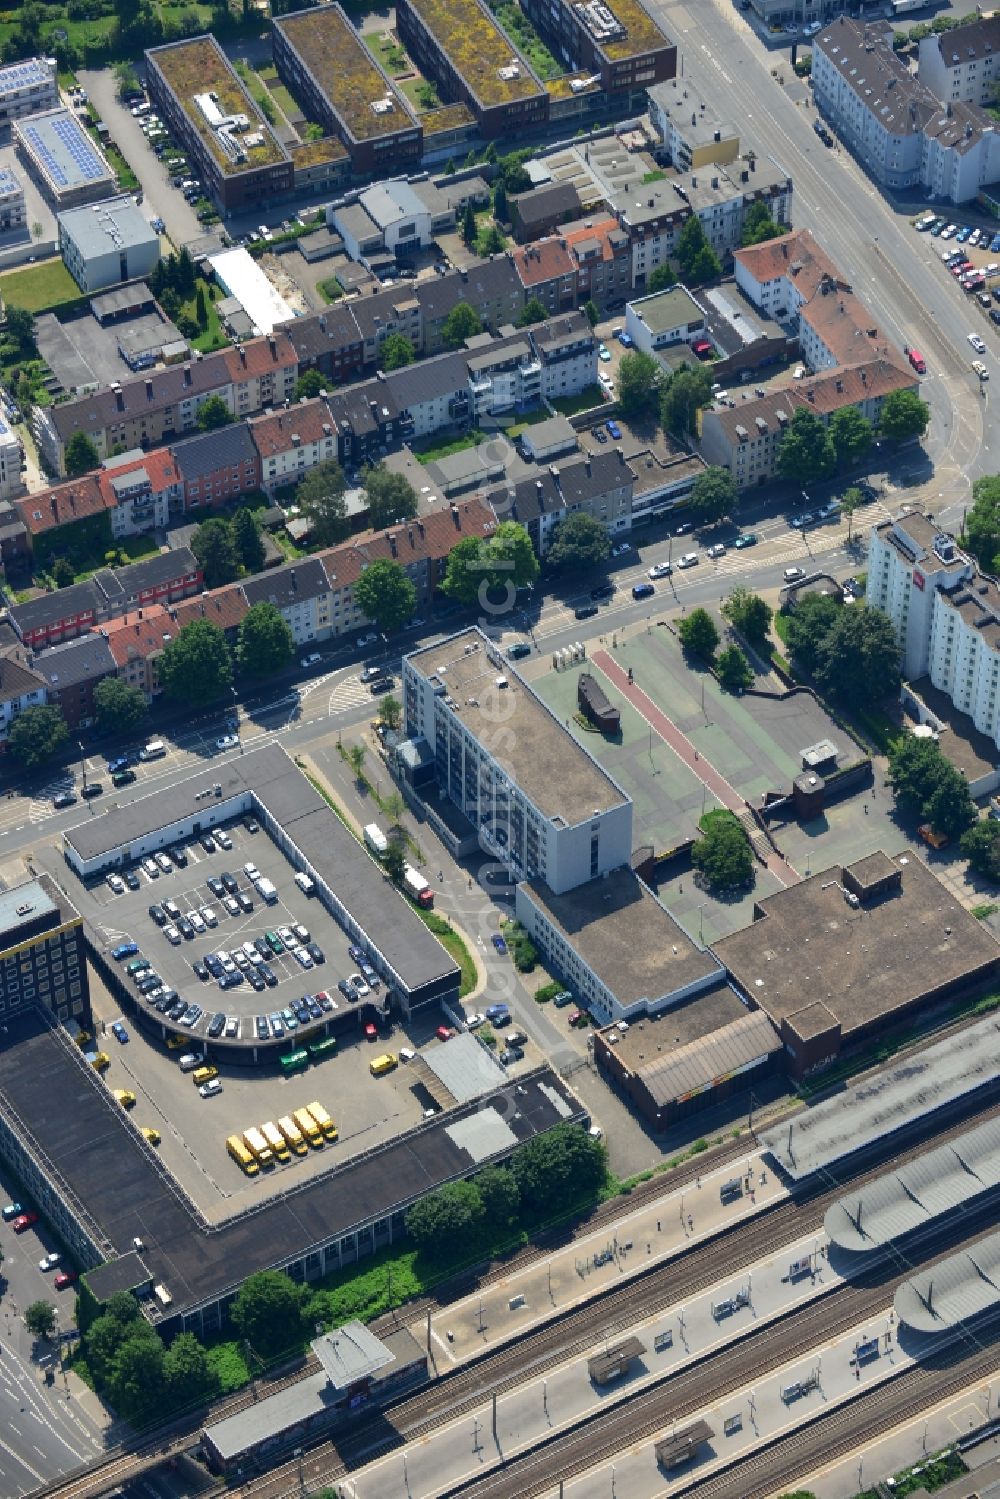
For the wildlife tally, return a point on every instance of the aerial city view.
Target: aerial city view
(499, 749)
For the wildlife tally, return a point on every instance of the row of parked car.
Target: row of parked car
(962, 234)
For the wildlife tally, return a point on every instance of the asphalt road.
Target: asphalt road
(895, 271)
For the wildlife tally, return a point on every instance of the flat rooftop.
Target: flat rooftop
(345, 72)
(63, 149)
(896, 1098)
(477, 49)
(807, 944)
(621, 931)
(197, 68)
(641, 32)
(70, 1117)
(536, 750)
(966, 747)
(939, 1182)
(281, 791)
(667, 309)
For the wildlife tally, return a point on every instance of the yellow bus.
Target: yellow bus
(244, 1158)
(255, 1142)
(309, 1127)
(381, 1065)
(272, 1134)
(293, 1135)
(323, 1119)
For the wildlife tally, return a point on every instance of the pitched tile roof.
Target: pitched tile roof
(849, 385)
(285, 586)
(260, 356)
(52, 608)
(539, 204)
(431, 537)
(795, 255)
(63, 504)
(158, 465)
(309, 421)
(135, 398)
(85, 659)
(144, 632)
(543, 260)
(16, 679)
(226, 448)
(225, 607)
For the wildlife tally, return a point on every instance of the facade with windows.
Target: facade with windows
(963, 64)
(42, 959)
(27, 87)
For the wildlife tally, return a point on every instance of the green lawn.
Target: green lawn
(412, 88)
(38, 287)
(284, 100)
(449, 446)
(389, 53)
(514, 21)
(330, 289)
(570, 405)
(453, 944)
(258, 90)
(213, 337)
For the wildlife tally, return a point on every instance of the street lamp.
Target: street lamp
(236, 712)
(83, 767)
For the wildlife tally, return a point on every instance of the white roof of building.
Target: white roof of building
(955, 1290)
(112, 224)
(388, 202)
(350, 1353)
(242, 278)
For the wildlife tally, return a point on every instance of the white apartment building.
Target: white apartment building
(11, 454)
(664, 318)
(20, 688)
(963, 65)
(544, 807)
(301, 593)
(12, 212)
(27, 87)
(292, 442)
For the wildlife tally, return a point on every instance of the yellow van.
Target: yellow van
(309, 1127)
(243, 1157)
(204, 1074)
(101, 1061)
(379, 1066)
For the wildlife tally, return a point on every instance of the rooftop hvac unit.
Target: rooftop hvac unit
(384, 105)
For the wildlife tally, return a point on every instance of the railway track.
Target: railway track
(602, 1317)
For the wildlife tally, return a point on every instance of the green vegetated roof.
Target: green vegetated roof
(309, 153)
(477, 48)
(345, 71)
(643, 33)
(199, 66)
(446, 117)
(561, 88)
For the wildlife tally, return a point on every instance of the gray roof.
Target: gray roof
(103, 228)
(896, 1098)
(148, 392)
(349, 1353)
(60, 603)
(13, 916)
(579, 480)
(428, 379)
(551, 201)
(68, 156)
(229, 446)
(121, 298)
(322, 332)
(88, 658)
(356, 221)
(556, 333)
(667, 309)
(284, 586)
(388, 202)
(956, 1290)
(17, 679)
(913, 1195)
(481, 284)
(125, 583)
(465, 1067)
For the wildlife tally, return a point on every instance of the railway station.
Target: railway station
(954, 1178)
(954, 1293)
(918, 1092)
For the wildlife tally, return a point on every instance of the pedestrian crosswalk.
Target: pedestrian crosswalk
(347, 693)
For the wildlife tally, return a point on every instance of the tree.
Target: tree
(195, 666)
(200, 310)
(36, 734)
(20, 326)
(808, 626)
(748, 613)
(915, 767)
(534, 312)
(684, 394)
(62, 571)
(135, 1379)
(758, 225)
(500, 1193)
(723, 856)
(461, 323)
(309, 384)
(661, 279)
(40, 1319)
(469, 227)
(499, 565)
(81, 455)
(391, 497)
(806, 451)
(213, 413)
(120, 707)
(592, 312)
(443, 1219)
(394, 860)
(713, 495)
(733, 669)
(266, 1311)
(558, 1167)
(320, 497)
(187, 1373)
(501, 210)
(982, 523)
(264, 643)
(397, 351)
(510, 557)
(852, 499)
(386, 595)
(214, 545)
(904, 415)
(949, 808)
(858, 657)
(356, 760)
(639, 381)
(579, 543)
(695, 256)
(698, 634)
(247, 540)
(126, 78)
(490, 241)
(852, 435)
(980, 844)
(390, 711)
(465, 571)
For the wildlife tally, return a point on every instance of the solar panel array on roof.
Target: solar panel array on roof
(64, 151)
(20, 75)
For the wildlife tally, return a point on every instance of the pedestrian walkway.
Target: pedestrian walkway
(659, 1231)
(685, 751)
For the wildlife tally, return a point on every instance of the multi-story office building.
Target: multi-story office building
(617, 40)
(327, 65)
(63, 159)
(963, 65)
(694, 135)
(42, 958)
(26, 87)
(239, 159)
(104, 244)
(542, 804)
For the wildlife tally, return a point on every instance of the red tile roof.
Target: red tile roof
(432, 537)
(796, 255)
(273, 433)
(158, 465)
(225, 607)
(63, 504)
(138, 634)
(260, 356)
(849, 385)
(543, 260)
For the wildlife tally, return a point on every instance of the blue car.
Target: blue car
(995, 242)
(124, 950)
(626, 340)
(119, 1032)
(614, 430)
(499, 943)
(121, 762)
(963, 234)
(11, 1211)
(497, 1013)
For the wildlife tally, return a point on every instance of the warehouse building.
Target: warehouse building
(104, 244)
(64, 161)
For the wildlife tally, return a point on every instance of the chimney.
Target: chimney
(273, 345)
(391, 536)
(456, 517)
(149, 390)
(243, 355)
(187, 374)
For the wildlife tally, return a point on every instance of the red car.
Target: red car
(371, 1034)
(64, 1278)
(443, 1033)
(26, 1220)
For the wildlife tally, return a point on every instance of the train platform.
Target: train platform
(631, 1359)
(572, 1275)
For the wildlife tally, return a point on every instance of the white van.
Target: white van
(190, 1060)
(154, 750)
(267, 891)
(305, 884)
